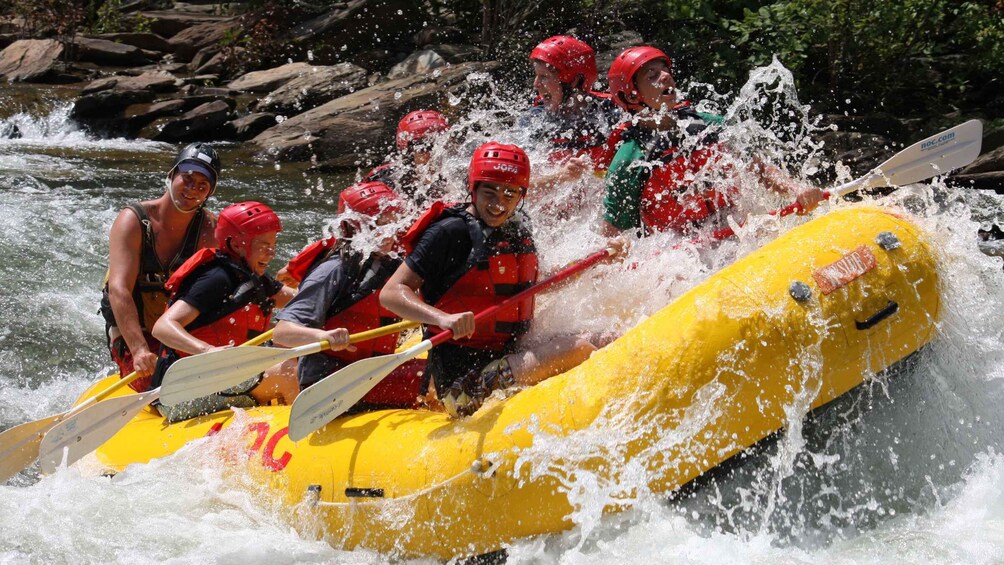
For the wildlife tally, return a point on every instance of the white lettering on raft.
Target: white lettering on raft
(844, 270)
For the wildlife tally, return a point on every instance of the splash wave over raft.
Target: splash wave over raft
(786, 329)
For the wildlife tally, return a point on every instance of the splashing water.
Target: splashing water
(905, 469)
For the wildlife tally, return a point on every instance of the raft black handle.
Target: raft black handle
(882, 314)
(363, 492)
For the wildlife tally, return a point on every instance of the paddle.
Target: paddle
(930, 157)
(328, 398)
(89, 429)
(19, 445)
(208, 373)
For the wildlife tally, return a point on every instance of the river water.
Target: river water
(908, 468)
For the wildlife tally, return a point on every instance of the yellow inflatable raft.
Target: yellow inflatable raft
(788, 328)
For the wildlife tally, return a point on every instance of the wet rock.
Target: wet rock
(381, 59)
(9, 130)
(194, 39)
(104, 52)
(139, 116)
(107, 105)
(147, 41)
(208, 61)
(170, 23)
(156, 81)
(396, 20)
(456, 54)
(431, 35)
(270, 79)
(314, 87)
(986, 172)
(861, 152)
(880, 124)
(33, 60)
(418, 63)
(346, 126)
(247, 127)
(202, 123)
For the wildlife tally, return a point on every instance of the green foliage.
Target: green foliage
(108, 17)
(142, 24)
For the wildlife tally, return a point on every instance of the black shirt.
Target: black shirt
(441, 250)
(210, 285)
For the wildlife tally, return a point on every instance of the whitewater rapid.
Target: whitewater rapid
(908, 468)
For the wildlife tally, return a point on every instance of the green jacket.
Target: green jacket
(628, 173)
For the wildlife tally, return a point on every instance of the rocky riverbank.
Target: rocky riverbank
(184, 77)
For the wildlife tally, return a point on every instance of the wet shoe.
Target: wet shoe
(467, 394)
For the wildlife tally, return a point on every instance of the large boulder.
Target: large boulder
(202, 123)
(170, 23)
(389, 16)
(269, 79)
(348, 27)
(99, 108)
(430, 35)
(313, 88)
(104, 52)
(245, 128)
(986, 172)
(32, 60)
(157, 81)
(147, 41)
(418, 63)
(194, 39)
(347, 126)
(455, 54)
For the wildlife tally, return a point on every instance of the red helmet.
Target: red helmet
(369, 198)
(571, 57)
(241, 222)
(623, 69)
(417, 125)
(495, 162)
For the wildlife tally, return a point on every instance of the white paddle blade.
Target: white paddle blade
(19, 445)
(937, 155)
(85, 431)
(200, 375)
(331, 396)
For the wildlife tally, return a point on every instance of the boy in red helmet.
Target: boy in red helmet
(467, 258)
(149, 241)
(339, 294)
(651, 181)
(573, 119)
(221, 298)
(408, 174)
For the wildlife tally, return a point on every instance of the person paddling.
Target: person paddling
(148, 241)
(659, 177)
(221, 298)
(339, 294)
(408, 172)
(466, 258)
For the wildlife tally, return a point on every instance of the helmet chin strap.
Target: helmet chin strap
(170, 193)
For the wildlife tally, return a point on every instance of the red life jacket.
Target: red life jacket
(299, 266)
(599, 150)
(360, 311)
(246, 312)
(670, 200)
(497, 267)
